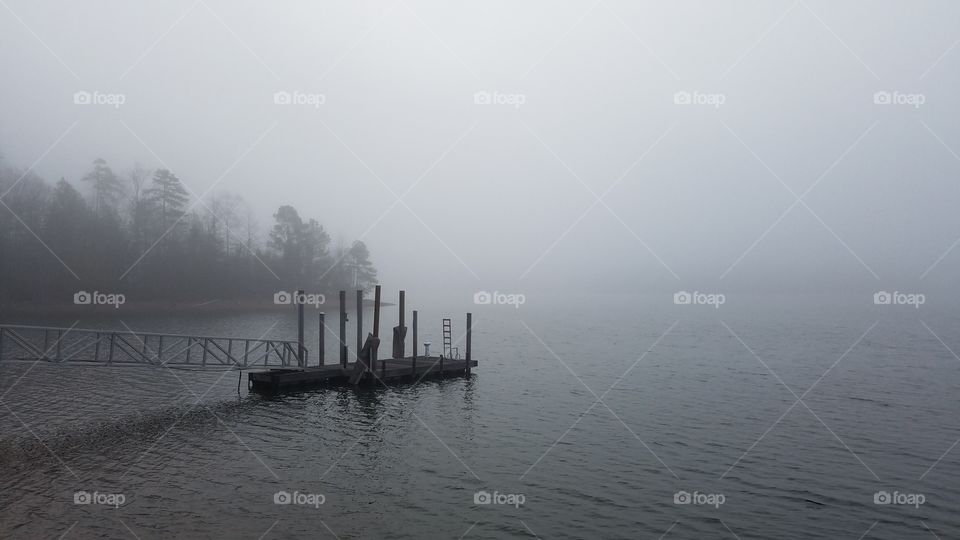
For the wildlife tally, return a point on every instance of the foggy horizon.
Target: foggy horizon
(594, 91)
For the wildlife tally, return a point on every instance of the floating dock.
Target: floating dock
(391, 370)
(367, 368)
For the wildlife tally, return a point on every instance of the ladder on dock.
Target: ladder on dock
(449, 351)
(447, 338)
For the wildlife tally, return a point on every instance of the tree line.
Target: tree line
(141, 233)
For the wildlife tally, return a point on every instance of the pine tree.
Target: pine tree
(169, 197)
(107, 188)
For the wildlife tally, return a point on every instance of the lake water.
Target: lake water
(694, 399)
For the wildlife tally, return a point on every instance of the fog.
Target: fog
(586, 170)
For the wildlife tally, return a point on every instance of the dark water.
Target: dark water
(685, 406)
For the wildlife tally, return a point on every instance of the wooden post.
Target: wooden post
(415, 346)
(376, 312)
(299, 301)
(343, 329)
(110, 357)
(403, 342)
(469, 332)
(60, 338)
(359, 321)
(376, 326)
(320, 340)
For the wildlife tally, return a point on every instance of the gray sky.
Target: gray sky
(504, 195)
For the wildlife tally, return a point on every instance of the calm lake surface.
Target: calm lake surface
(694, 399)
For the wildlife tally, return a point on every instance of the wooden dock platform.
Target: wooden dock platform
(390, 369)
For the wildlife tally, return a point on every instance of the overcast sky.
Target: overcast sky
(583, 104)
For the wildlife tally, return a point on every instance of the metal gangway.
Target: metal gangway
(125, 348)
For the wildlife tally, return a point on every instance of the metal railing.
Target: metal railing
(110, 347)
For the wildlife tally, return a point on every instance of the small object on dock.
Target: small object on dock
(363, 363)
(400, 332)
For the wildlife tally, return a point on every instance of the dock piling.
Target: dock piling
(359, 321)
(343, 329)
(376, 327)
(400, 348)
(300, 358)
(413, 372)
(320, 340)
(469, 335)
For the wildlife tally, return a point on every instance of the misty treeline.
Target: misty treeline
(140, 232)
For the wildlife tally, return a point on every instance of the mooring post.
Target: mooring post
(300, 298)
(403, 336)
(469, 332)
(359, 322)
(413, 372)
(376, 326)
(320, 343)
(343, 329)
